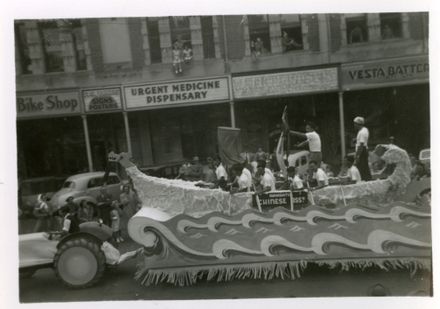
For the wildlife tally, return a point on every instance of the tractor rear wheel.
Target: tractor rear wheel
(79, 262)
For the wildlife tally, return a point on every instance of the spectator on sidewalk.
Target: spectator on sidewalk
(43, 214)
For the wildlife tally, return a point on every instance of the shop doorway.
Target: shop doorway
(167, 144)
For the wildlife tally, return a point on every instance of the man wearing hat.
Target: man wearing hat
(361, 156)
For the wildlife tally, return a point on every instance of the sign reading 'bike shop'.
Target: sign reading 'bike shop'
(48, 104)
(381, 73)
(100, 100)
(180, 93)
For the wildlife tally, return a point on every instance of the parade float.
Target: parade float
(191, 233)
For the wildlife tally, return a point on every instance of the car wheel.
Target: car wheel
(79, 263)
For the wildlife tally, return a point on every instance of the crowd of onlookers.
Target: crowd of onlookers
(113, 211)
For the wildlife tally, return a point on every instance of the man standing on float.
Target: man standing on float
(313, 140)
(361, 156)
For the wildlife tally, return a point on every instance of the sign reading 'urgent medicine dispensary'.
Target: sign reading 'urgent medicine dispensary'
(180, 93)
(382, 73)
(48, 104)
(298, 82)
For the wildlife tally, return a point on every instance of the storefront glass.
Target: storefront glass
(401, 112)
(106, 133)
(51, 147)
(172, 135)
(260, 122)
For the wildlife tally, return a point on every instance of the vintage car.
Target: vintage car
(86, 184)
(32, 187)
(78, 259)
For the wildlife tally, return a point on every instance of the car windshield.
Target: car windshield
(69, 184)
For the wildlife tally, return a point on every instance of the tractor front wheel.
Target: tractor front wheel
(79, 262)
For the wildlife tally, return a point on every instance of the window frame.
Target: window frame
(22, 45)
(47, 52)
(356, 18)
(78, 25)
(383, 17)
(289, 28)
(177, 30)
(255, 32)
(157, 56)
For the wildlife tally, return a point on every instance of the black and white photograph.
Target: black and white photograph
(220, 155)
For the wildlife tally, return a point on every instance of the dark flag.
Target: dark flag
(229, 145)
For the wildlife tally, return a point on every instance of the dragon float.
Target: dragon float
(191, 233)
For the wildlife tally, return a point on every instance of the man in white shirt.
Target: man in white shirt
(243, 178)
(220, 171)
(352, 170)
(221, 174)
(361, 158)
(295, 182)
(318, 174)
(313, 140)
(265, 177)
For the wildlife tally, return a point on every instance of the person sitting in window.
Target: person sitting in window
(187, 54)
(387, 32)
(289, 43)
(177, 57)
(356, 35)
(259, 47)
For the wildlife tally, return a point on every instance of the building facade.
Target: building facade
(88, 86)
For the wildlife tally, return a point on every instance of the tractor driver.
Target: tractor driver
(70, 220)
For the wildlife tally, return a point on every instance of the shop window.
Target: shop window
(154, 40)
(291, 34)
(208, 37)
(259, 35)
(53, 56)
(106, 133)
(51, 147)
(180, 31)
(390, 25)
(357, 30)
(22, 48)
